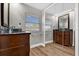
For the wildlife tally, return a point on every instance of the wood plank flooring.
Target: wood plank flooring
(52, 49)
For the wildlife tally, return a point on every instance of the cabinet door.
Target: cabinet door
(66, 38)
(60, 37)
(54, 36)
(71, 38)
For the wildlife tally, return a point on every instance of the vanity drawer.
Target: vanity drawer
(18, 39)
(15, 44)
(13, 40)
(15, 51)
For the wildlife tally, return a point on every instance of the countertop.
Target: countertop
(15, 33)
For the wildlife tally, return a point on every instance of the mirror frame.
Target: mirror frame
(68, 21)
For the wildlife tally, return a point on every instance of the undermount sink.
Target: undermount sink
(16, 30)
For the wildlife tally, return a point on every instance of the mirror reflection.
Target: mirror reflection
(63, 22)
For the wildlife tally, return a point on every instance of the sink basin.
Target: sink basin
(16, 30)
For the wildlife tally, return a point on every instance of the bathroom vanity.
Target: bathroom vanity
(13, 41)
(64, 38)
(15, 44)
(63, 35)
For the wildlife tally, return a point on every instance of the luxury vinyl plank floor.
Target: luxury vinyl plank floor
(52, 49)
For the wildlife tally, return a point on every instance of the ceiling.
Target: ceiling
(56, 8)
(60, 7)
(39, 6)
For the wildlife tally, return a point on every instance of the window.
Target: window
(32, 23)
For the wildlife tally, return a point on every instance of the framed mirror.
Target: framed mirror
(5, 14)
(63, 22)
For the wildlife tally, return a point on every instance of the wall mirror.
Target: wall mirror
(5, 14)
(63, 22)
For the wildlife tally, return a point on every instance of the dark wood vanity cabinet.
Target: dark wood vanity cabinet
(15, 44)
(63, 37)
(57, 37)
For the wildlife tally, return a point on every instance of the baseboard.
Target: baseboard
(48, 41)
(41, 44)
(36, 45)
